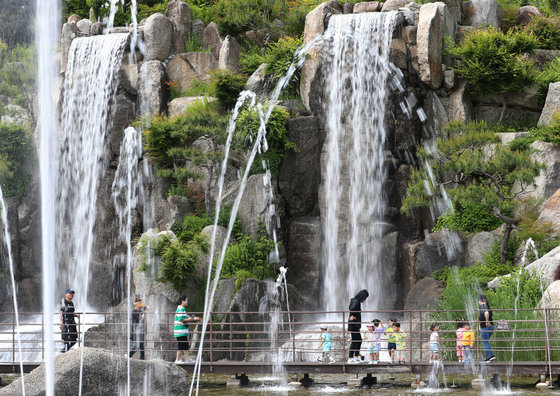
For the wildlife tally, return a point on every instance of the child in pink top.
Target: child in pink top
(460, 330)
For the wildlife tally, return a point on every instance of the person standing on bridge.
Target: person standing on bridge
(181, 329)
(138, 328)
(486, 321)
(67, 317)
(354, 325)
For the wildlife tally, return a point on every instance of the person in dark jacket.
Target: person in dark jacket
(138, 328)
(486, 320)
(354, 325)
(67, 316)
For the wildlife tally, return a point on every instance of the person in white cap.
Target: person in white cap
(66, 316)
(326, 343)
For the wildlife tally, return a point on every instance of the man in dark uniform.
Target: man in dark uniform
(67, 321)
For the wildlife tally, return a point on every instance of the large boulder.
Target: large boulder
(547, 266)
(84, 26)
(257, 82)
(429, 43)
(436, 114)
(125, 113)
(551, 211)
(184, 68)
(449, 30)
(211, 39)
(315, 25)
(552, 103)
(551, 296)
(228, 58)
(424, 295)
(304, 245)
(548, 181)
(128, 78)
(390, 271)
(178, 105)
(479, 13)
(153, 94)
(458, 104)
(103, 373)
(197, 28)
(179, 14)
(301, 168)
(221, 233)
(479, 245)
(526, 13)
(69, 32)
(158, 37)
(393, 5)
(367, 6)
(439, 250)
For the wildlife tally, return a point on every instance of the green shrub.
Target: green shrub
(15, 148)
(227, 86)
(550, 74)
(546, 31)
(249, 258)
(279, 57)
(237, 17)
(495, 62)
(248, 123)
(468, 217)
(194, 44)
(199, 88)
(191, 225)
(251, 58)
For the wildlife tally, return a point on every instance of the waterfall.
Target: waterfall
(47, 15)
(353, 203)
(89, 94)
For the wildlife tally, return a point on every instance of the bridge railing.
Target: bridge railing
(531, 335)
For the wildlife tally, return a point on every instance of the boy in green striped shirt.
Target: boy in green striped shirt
(181, 329)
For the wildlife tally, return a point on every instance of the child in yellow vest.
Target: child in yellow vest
(468, 343)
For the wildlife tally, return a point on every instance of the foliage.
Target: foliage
(169, 143)
(496, 62)
(191, 225)
(251, 58)
(194, 44)
(546, 31)
(470, 217)
(174, 89)
(475, 169)
(17, 22)
(550, 74)
(199, 88)
(15, 147)
(249, 258)
(546, 133)
(227, 86)
(17, 79)
(248, 123)
(237, 17)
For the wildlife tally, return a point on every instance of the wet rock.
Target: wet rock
(304, 267)
(124, 115)
(390, 271)
(301, 168)
(547, 266)
(84, 25)
(409, 251)
(224, 295)
(158, 37)
(528, 99)
(347, 8)
(211, 39)
(315, 24)
(152, 87)
(368, 6)
(96, 29)
(221, 233)
(393, 5)
(398, 54)
(69, 32)
(424, 295)
(479, 13)
(478, 246)
(429, 43)
(176, 207)
(128, 78)
(103, 373)
(409, 34)
(179, 14)
(435, 111)
(229, 55)
(551, 105)
(439, 250)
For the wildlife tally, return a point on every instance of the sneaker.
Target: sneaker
(466, 362)
(375, 362)
(491, 358)
(363, 358)
(320, 360)
(331, 361)
(190, 361)
(350, 361)
(355, 361)
(371, 362)
(179, 362)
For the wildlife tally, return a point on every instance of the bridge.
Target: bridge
(525, 341)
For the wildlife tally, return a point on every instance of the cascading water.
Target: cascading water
(89, 93)
(8, 244)
(358, 46)
(47, 15)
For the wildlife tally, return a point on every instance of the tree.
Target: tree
(16, 22)
(17, 79)
(474, 168)
(170, 143)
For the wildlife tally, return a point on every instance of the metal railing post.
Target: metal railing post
(230, 339)
(343, 343)
(411, 336)
(14, 341)
(478, 335)
(293, 338)
(211, 341)
(43, 337)
(421, 333)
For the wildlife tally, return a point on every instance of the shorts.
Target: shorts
(391, 346)
(459, 350)
(434, 347)
(183, 343)
(327, 349)
(376, 347)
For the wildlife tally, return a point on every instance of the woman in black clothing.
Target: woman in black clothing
(354, 325)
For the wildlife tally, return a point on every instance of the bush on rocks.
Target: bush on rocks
(227, 86)
(15, 146)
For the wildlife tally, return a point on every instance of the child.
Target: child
(460, 330)
(378, 330)
(400, 338)
(369, 341)
(391, 345)
(467, 343)
(434, 343)
(326, 343)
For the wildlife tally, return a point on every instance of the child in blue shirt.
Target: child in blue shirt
(326, 343)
